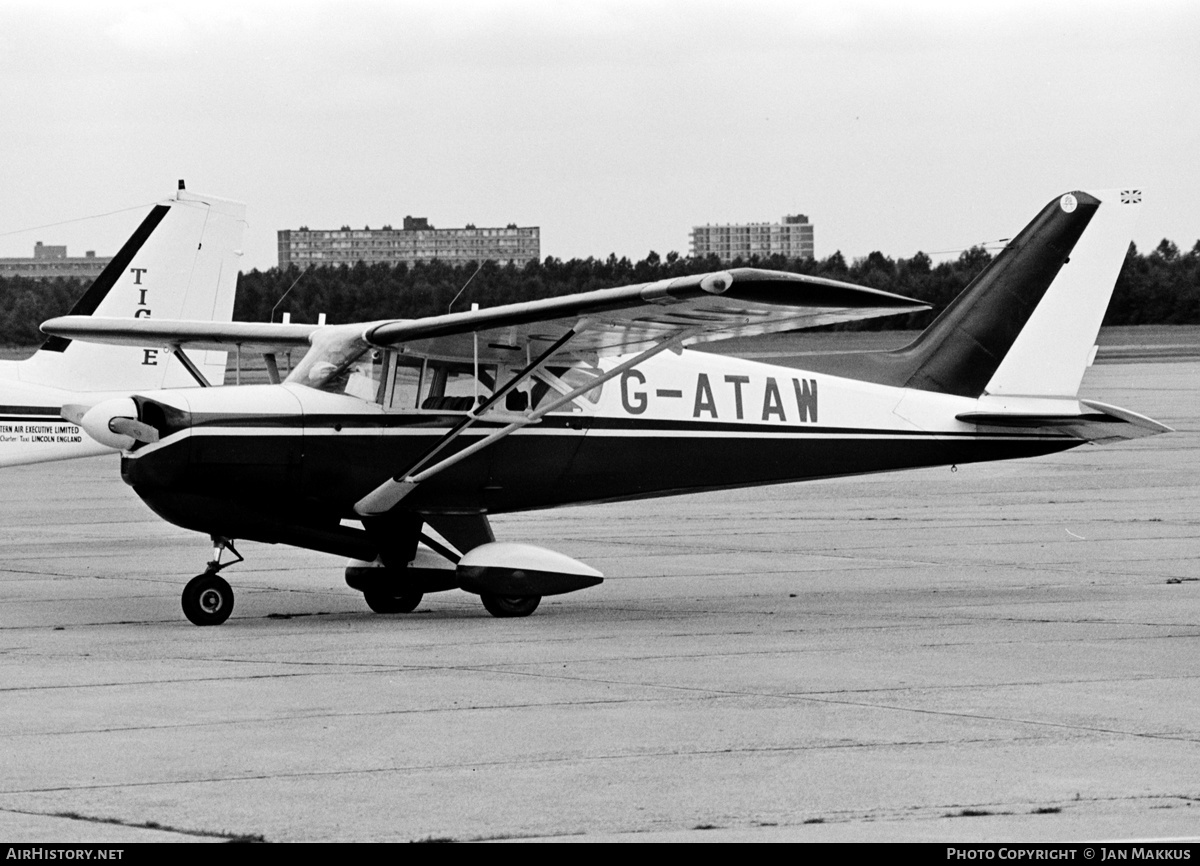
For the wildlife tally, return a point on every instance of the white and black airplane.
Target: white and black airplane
(392, 442)
(180, 263)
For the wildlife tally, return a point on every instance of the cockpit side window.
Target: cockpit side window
(401, 381)
(432, 384)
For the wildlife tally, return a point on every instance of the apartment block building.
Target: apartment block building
(416, 241)
(52, 261)
(791, 237)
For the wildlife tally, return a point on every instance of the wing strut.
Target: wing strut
(387, 495)
(190, 366)
(272, 368)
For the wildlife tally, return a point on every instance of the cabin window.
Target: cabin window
(452, 386)
(401, 381)
(404, 383)
(555, 381)
(577, 377)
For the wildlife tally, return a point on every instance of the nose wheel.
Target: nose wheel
(208, 597)
(505, 606)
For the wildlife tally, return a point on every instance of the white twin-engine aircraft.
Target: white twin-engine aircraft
(391, 442)
(180, 263)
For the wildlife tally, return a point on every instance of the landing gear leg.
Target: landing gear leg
(386, 589)
(208, 597)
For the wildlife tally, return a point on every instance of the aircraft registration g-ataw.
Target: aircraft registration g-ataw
(391, 442)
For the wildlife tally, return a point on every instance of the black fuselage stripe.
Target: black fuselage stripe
(31, 410)
(99, 289)
(599, 426)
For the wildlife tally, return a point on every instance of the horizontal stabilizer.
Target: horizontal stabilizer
(1093, 422)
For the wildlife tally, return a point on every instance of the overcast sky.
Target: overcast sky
(614, 126)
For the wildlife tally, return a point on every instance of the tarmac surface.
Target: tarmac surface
(1007, 652)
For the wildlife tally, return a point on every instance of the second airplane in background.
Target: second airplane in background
(180, 263)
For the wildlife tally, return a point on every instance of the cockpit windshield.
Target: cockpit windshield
(339, 362)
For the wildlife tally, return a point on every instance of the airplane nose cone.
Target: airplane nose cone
(98, 422)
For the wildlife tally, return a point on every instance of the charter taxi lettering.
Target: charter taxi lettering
(42, 434)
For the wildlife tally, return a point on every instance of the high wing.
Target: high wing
(191, 334)
(742, 302)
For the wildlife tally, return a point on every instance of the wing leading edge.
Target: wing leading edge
(188, 334)
(743, 302)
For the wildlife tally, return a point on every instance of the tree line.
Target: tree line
(1161, 287)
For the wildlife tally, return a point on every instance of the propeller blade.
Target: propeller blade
(139, 430)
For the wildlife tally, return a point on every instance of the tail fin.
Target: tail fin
(180, 263)
(1050, 354)
(1021, 336)
(1027, 324)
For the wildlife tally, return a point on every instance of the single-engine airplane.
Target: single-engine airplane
(391, 442)
(181, 262)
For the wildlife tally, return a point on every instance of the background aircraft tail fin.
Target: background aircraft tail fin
(180, 263)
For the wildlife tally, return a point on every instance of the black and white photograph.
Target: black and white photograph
(613, 421)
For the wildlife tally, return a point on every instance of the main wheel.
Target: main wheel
(381, 601)
(510, 605)
(207, 599)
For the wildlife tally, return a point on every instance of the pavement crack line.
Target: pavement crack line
(499, 764)
(351, 714)
(136, 825)
(1186, 738)
(492, 670)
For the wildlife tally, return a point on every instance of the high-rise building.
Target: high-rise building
(53, 261)
(417, 241)
(791, 237)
